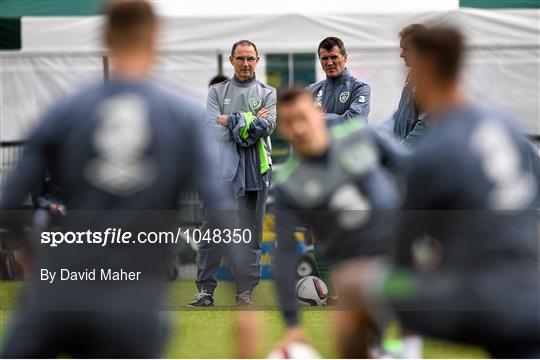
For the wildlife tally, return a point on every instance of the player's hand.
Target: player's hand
(223, 120)
(347, 279)
(54, 208)
(263, 113)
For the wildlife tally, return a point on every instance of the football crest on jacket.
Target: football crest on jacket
(255, 103)
(344, 96)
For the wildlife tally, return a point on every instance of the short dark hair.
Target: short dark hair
(243, 43)
(444, 46)
(328, 43)
(287, 96)
(412, 30)
(217, 79)
(129, 23)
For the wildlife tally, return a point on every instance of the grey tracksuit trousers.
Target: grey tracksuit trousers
(244, 259)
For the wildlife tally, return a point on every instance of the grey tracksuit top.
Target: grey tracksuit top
(342, 98)
(239, 161)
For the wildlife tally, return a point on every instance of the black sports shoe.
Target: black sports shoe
(203, 299)
(244, 298)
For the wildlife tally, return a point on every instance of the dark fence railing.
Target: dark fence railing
(10, 153)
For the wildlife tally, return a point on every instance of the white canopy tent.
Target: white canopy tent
(61, 53)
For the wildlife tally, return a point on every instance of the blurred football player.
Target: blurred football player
(125, 146)
(478, 200)
(336, 182)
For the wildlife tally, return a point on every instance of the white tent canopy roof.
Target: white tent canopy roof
(286, 32)
(212, 8)
(60, 53)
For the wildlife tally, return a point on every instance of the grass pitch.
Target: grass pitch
(210, 333)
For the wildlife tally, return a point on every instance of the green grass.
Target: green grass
(206, 333)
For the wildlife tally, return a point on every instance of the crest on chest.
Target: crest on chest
(344, 96)
(254, 103)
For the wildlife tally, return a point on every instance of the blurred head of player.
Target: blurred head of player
(435, 68)
(131, 37)
(333, 56)
(302, 123)
(405, 36)
(244, 58)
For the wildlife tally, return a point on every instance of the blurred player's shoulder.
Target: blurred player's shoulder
(456, 136)
(352, 154)
(451, 128)
(167, 105)
(505, 118)
(87, 93)
(174, 94)
(354, 127)
(355, 133)
(173, 101)
(284, 171)
(354, 147)
(460, 126)
(66, 112)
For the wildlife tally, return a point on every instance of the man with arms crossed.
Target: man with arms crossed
(241, 115)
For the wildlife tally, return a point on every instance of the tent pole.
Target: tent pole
(290, 63)
(105, 60)
(220, 63)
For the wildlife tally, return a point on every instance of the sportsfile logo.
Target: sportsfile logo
(118, 236)
(344, 96)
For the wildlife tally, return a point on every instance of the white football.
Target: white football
(311, 291)
(294, 351)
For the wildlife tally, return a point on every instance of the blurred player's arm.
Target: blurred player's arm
(286, 260)
(31, 169)
(213, 110)
(360, 106)
(285, 265)
(394, 155)
(39, 198)
(204, 174)
(429, 180)
(43, 198)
